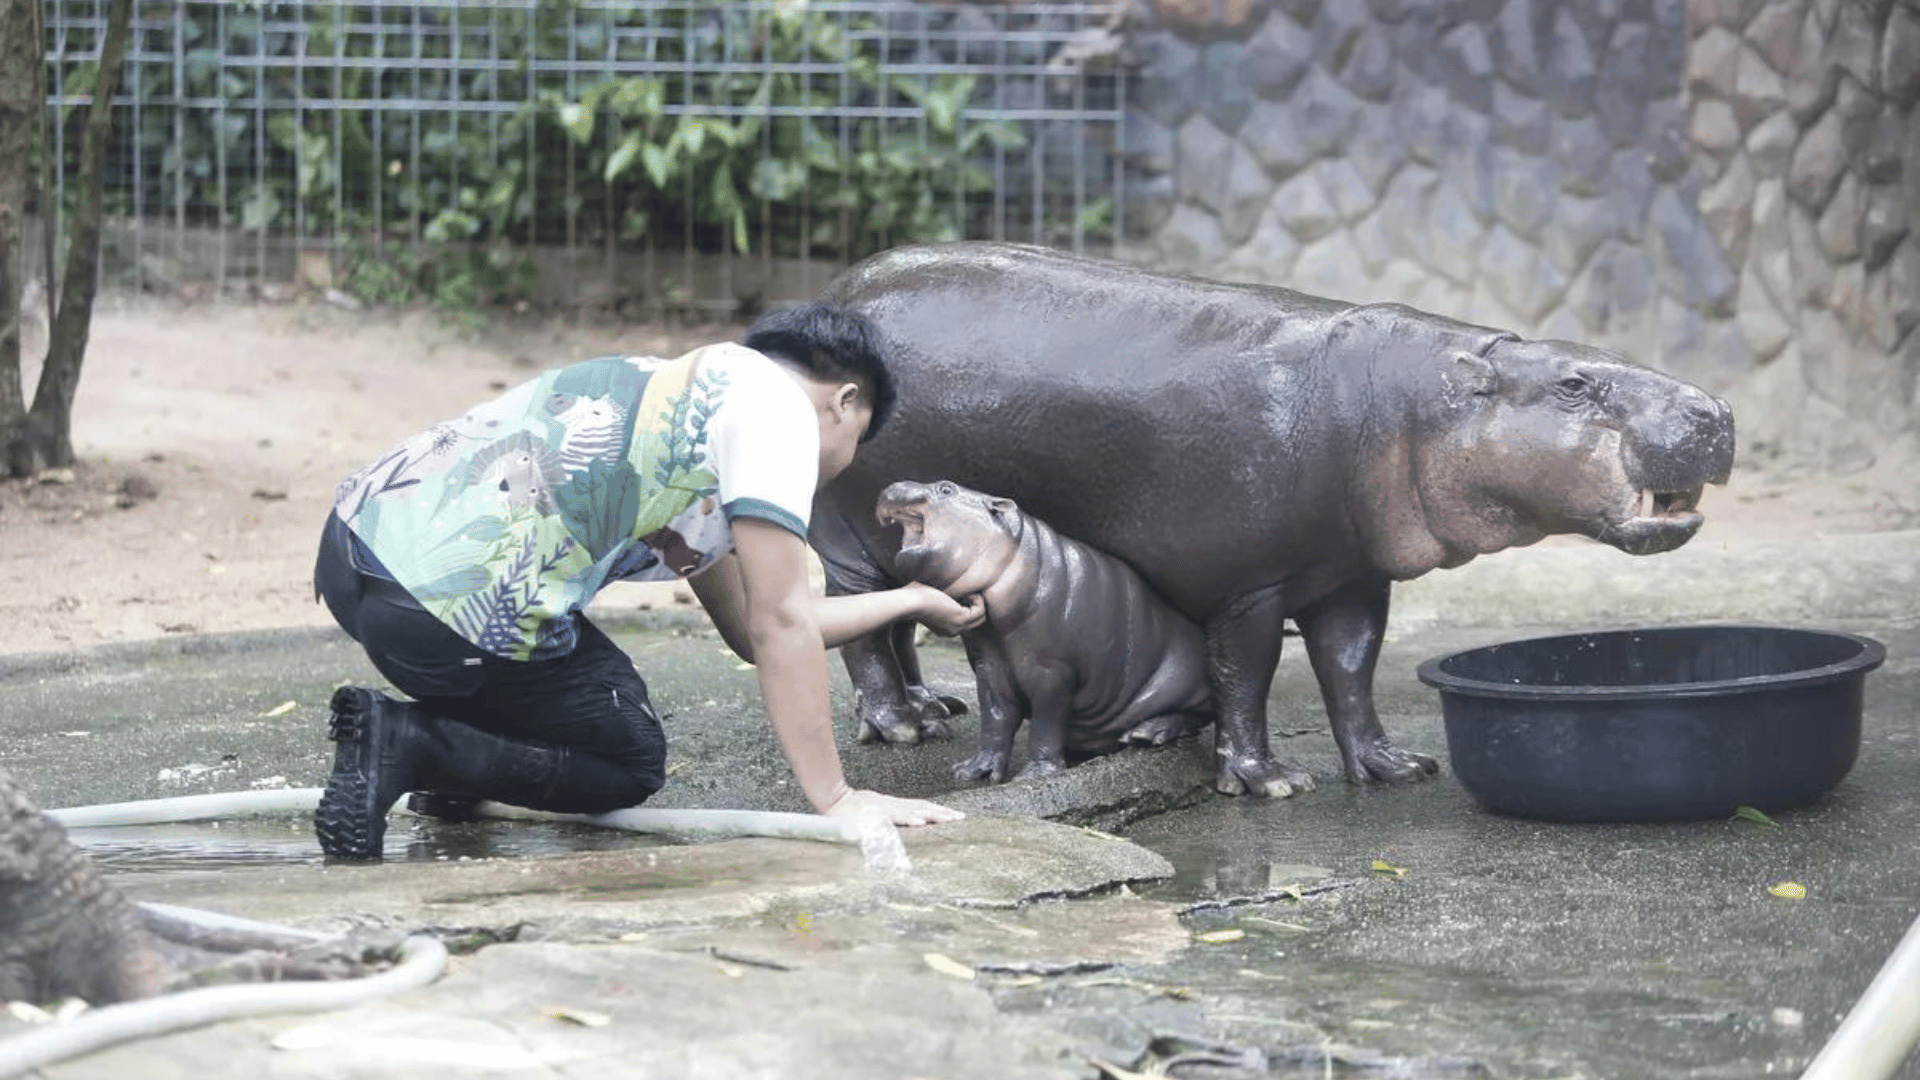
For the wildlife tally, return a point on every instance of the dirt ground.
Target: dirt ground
(211, 437)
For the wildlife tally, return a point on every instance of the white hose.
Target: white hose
(421, 961)
(876, 837)
(878, 840)
(223, 804)
(1883, 1026)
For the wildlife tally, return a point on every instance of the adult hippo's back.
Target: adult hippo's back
(1256, 454)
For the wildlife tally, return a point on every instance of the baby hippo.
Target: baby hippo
(1074, 640)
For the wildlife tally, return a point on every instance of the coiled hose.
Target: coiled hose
(422, 958)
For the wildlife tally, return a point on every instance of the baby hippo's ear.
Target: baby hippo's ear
(1001, 508)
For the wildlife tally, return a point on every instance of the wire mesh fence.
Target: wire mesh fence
(681, 156)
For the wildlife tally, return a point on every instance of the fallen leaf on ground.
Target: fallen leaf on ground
(281, 709)
(1748, 813)
(1295, 928)
(1110, 1071)
(1382, 866)
(580, 1017)
(1788, 890)
(1216, 937)
(946, 965)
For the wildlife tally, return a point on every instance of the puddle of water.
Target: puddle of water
(288, 841)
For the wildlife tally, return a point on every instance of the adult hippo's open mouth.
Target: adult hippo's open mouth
(1672, 522)
(1257, 455)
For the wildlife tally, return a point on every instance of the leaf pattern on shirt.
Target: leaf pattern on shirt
(672, 443)
(599, 506)
(506, 616)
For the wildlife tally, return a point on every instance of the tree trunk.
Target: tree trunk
(20, 45)
(45, 440)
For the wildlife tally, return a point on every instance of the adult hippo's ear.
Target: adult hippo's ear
(1002, 507)
(1472, 375)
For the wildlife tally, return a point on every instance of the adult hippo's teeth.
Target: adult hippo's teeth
(1669, 503)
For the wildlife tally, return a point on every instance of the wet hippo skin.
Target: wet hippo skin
(1074, 643)
(1256, 454)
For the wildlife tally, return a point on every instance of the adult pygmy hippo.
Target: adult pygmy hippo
(1256, 454)
(1074, 640)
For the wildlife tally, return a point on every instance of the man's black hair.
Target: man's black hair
(830, 344)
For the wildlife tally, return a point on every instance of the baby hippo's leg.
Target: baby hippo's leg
(1165, 728)
(1001, 709)
(1049, 701)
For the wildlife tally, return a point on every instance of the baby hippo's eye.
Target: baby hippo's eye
(946, 488)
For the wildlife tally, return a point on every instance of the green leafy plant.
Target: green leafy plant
(735, 135)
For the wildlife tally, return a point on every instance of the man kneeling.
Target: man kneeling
(460, 560)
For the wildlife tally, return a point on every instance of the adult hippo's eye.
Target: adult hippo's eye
(1572, 388)
(946, 488)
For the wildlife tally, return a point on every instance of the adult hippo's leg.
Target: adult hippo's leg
(1243, 647)
(889, 710)
(1343, 634)
(923, 696)
(892, 709)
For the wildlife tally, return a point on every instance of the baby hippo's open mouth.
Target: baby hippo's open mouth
(911, 518)
(905, 504)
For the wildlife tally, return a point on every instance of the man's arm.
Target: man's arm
(841, 619)
(779, 626)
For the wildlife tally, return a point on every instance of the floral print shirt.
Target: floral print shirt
(505, 522)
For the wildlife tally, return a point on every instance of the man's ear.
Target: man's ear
(845, 397)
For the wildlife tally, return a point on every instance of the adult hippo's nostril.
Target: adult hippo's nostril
(1704, 409)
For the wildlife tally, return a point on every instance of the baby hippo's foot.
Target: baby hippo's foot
(1043, 767)
(990, 765)
(1163, 729)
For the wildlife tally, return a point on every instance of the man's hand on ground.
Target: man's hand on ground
(899, 811)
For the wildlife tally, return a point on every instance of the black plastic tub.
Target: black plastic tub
(1665, 724)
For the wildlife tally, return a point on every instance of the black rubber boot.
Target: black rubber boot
(435, 804)
(463, 765)
(373, 765)
(387, 748)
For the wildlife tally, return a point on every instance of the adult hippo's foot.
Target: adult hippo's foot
(922, 718)
(1265, 775)
(1379, 760)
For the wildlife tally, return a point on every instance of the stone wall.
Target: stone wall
(1805, 133)
(1712, 187)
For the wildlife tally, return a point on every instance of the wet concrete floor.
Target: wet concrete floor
(1251, 938)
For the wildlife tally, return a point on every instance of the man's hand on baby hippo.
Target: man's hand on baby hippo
(946, 615)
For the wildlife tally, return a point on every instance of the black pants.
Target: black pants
(591, 702)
